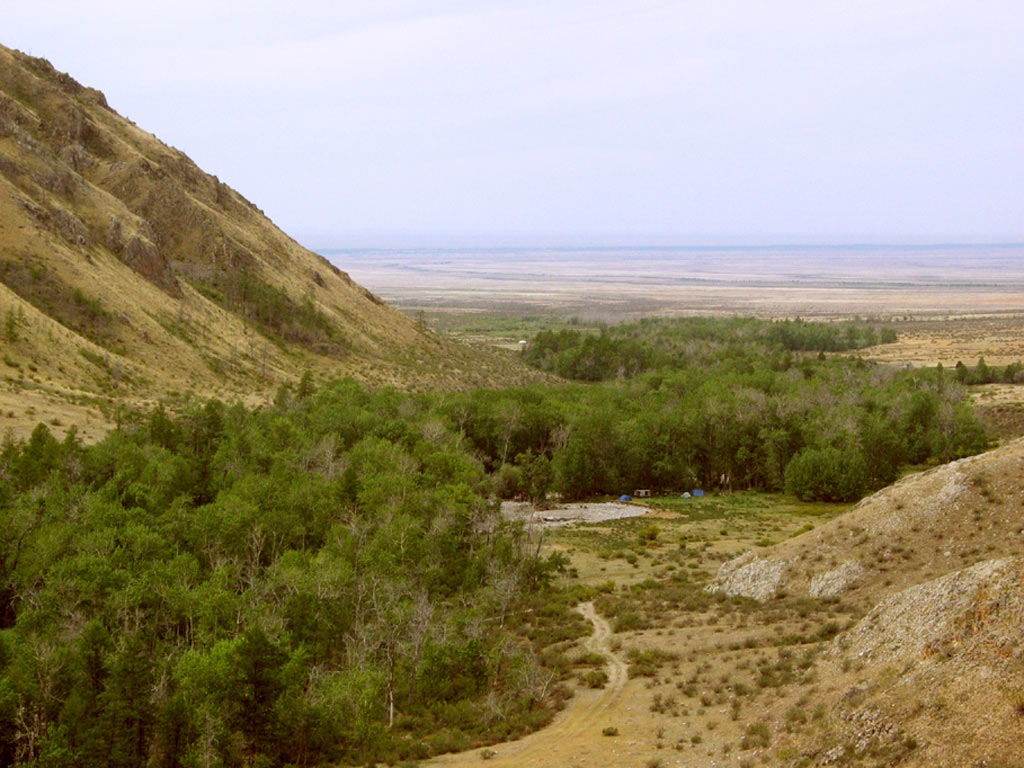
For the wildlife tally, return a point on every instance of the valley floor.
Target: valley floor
(676, 657)
(695, 678)
(574, 737)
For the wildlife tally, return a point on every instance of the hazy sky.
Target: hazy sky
(625, 121)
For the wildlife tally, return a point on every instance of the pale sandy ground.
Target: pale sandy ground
(566, 514)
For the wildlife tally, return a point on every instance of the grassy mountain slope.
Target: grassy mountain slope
(126, 272)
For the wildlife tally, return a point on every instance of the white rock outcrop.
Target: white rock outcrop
(911, 624)
(750, 576)
(833, 583)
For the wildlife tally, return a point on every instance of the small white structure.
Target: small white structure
(642, 493)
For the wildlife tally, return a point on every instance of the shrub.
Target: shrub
(649, 534)
(757, 735)
(589, 659)
(596, 678)
(646, 663)
(827, 474)
(795, 715)
(629, 621)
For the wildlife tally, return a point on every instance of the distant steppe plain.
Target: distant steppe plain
(767, 281)
(949, 303)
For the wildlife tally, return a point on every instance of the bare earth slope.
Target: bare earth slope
(127, 272)
(933, 675)
(921, 527)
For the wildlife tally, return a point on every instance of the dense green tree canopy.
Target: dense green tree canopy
(626, 350)
(315, 582)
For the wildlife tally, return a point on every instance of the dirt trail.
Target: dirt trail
(574, 736)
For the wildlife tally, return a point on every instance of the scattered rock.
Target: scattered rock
(70, 227)
(76, 157)
(145, 258)
(918, 499)
(871, 729)
(737, 562)
(115, 235)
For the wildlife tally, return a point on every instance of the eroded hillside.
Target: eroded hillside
(924, 526)
(934, 672)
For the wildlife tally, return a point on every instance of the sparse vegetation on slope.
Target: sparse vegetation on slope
(923, 526)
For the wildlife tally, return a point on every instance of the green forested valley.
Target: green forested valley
(736, 403)
(320, 581)
(328, 578)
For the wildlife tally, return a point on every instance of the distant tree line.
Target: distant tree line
(739, 423)
(626, 350)
(982, 373)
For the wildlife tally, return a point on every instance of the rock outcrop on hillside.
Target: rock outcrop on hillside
(977, 607)
(932, 676)
(933, 673)
(759, 578)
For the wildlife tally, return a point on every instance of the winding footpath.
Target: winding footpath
(574, 736)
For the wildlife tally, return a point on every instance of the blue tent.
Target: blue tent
(698, 493)
(625, 497)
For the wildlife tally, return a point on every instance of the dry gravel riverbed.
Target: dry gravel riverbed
(565, 514)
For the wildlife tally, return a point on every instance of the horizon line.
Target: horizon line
(460, 244)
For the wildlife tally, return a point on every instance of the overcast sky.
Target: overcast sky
(627, 121)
